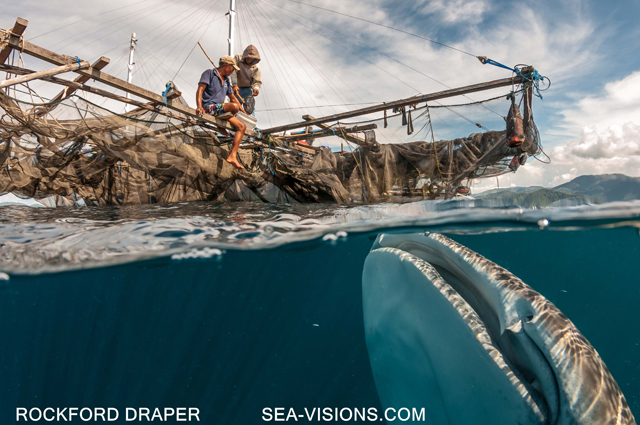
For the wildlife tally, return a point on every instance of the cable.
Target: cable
(386, 26)
(84, 19)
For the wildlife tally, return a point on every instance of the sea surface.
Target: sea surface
(234, 308)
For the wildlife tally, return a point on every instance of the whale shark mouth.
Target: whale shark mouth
(451, 332)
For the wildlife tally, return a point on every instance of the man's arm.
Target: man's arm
(199, 108)
(256, 80)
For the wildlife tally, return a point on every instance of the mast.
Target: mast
(132, 49)
(232, 29)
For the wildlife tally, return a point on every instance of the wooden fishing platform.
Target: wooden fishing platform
(274, 139)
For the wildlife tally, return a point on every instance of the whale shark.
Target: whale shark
(455, 334)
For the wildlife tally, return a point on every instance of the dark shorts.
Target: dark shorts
(215, 109)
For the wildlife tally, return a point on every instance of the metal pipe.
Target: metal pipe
(232, 29)
(132, 49)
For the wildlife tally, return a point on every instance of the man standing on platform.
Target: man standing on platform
(214, 85)
(248, 79)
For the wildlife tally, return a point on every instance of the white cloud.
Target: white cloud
(457, 11)
(618, 104)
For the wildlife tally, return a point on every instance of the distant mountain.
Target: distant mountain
(604, 187)
(591, 188)
(538, 197)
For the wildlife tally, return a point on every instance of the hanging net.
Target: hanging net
(77, 152)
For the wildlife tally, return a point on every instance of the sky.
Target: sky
(321, 62)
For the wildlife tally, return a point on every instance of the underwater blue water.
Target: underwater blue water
(234, 308)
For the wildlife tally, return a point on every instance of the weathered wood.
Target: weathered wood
(141, 105)
(348, 137)
(15, 32)
(398, 103)
(110, 80)
(46, 73)
(81, 79)
(328, 132)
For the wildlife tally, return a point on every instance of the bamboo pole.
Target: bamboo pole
(205, 53)
(402, 102)
(47, 73)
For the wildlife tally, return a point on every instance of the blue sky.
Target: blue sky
(589, 119)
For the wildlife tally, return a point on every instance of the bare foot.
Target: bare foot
(235, 163)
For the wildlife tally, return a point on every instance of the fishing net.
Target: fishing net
(74, 152)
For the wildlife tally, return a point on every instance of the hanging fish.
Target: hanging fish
(404, 116)
(515, 125)
(385, 119)
(409, 124)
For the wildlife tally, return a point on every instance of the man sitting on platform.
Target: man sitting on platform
(214, 85)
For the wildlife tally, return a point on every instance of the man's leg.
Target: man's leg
(237, 138)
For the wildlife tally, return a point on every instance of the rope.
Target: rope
(164, 93)
(386, 26)
(534, 78)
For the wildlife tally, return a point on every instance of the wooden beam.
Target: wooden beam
(110, 80)
(141, 105)
(15, 32)
(46, 73)
(348, 137)
(403, 102)
(328, 132)
(81, 79)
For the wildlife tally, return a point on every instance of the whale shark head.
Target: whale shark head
(450, 331)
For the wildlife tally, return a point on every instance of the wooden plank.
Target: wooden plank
(81, 79)
(46, 73)
(110, 80)
(16, 33)
(403, 102)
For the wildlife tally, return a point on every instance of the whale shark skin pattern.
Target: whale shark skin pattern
(587, 392)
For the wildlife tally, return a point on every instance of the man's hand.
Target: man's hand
(256, 92)
(236, 90)
(199, 111)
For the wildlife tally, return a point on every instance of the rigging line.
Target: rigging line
(179, 26)
(101, 26)
(169, 20)
(327, 106)
(263, 46)
(239, 29)
(378, 51)
(387, 26)
(195, 44)
(265, 92)
(432, 107)
(146, 34)
(191, 34)
(84, 19)
(290, 72)
(296, 58)
(177, 40)
(338, 78)
(360, 56)
(127, 22)
(156, 81)
(331, 85)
